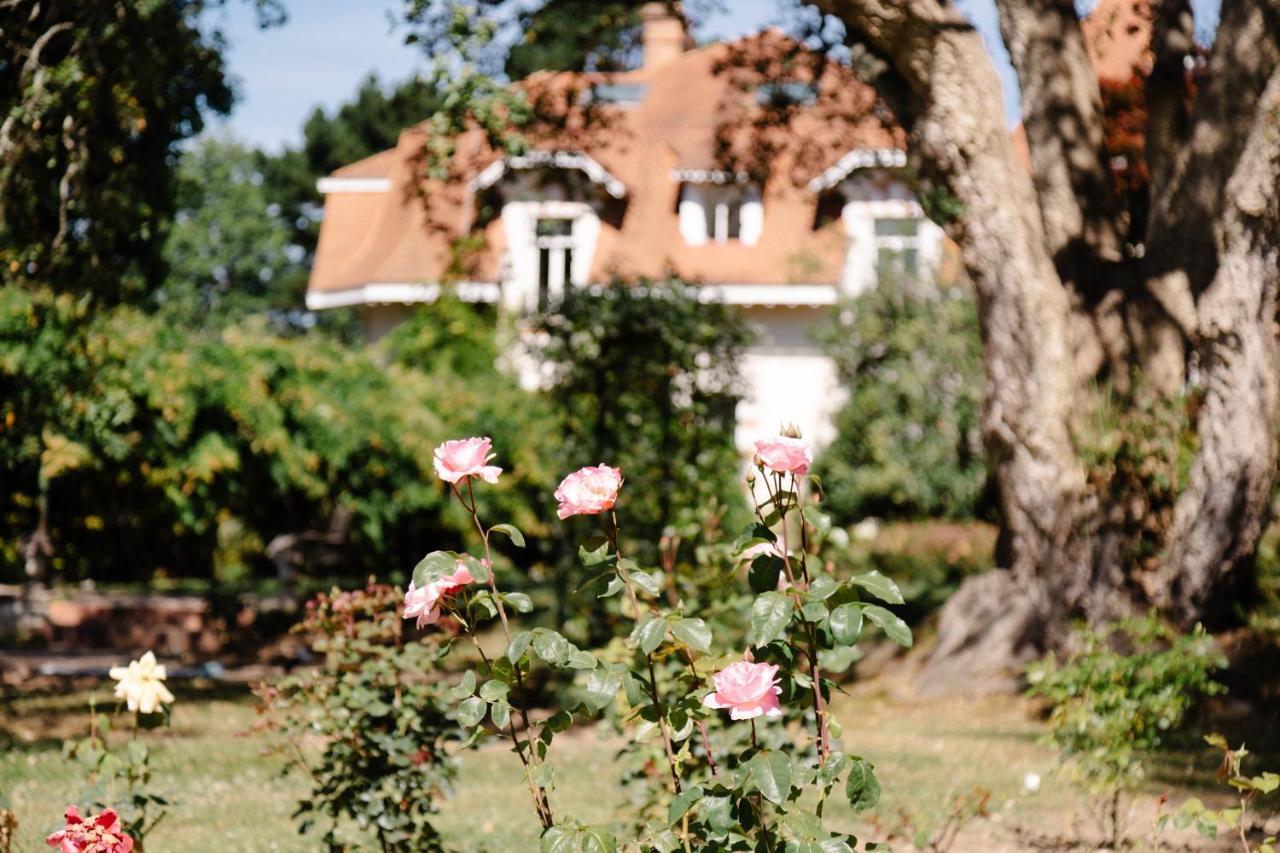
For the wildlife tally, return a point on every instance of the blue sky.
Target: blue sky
(327, 47)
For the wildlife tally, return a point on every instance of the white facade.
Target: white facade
(552, 228)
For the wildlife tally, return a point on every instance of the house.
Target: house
(772, 179)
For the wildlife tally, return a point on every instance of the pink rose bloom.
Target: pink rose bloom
(466, 457)
(747, 689)
(588, 491)
(784, 455)
(425, 602)
(103, 834)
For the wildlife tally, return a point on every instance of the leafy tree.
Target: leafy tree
(909, 439)
(225, 251)
(574, 35)
(97, 95)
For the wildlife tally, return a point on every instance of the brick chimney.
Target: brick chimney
(664, 35)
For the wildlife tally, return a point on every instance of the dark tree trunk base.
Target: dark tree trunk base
(987, 632)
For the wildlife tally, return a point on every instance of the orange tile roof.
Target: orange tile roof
(699, 113)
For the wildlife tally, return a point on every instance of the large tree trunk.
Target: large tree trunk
(1034, 245)
(1222, 513)
(959, 137)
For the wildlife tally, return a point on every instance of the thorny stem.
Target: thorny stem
(539, 795)
(541, 801)
(815, 673)
(648, 658)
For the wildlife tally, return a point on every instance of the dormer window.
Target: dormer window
(897, 246)
(720, 213)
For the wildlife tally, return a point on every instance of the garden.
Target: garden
(279, 578)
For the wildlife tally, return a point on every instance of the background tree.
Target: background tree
(226, 253)
(88, 135)
(909, 438)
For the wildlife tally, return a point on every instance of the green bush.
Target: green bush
(142, 446)
(645, 376)
(1122, 697)
(909, 441)
(381, 718)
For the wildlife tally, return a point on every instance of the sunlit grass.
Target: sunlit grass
(229, 794)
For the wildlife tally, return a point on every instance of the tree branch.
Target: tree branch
(1181, 253)
(1221, 514)
(1062, 114)
(963, 148)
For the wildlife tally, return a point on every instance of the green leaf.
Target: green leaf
(814, 611)
(493, 689)
(694, 633)
(578, 659)
(602, 688)
(650, 583)
(846, 624)
(615, 586)
(593, 556)
(479, 571)
(822, 587)
(816, 517)
(511, 532)
(465, 687)
(597, 839)
(557, 839)
(518, 646)
(879, 586)
(648, 635)
(518, 600)
(500, 713)
(771, 772)
(764, 573)
(434, 566)
(894, 628)
(682, 802)
(472, 711)
(550, 646)
(861, 787)
(770, 615)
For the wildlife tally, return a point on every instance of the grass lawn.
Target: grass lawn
(229, 795)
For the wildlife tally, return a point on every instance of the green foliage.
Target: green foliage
(1235, 819)
(1139, 455)
(1121, 697)
(909, 441)
(574, 35)
(225, 251)
(121, 424)
(384, 726)
(97, 96)
(645, 376)
(119, 774)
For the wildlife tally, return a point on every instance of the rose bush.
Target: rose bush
(689, 678)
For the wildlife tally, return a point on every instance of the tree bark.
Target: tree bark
(1221, 514)
(959, 136)
(1022, 243)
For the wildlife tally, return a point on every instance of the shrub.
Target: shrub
(645, 375)
(909, 441)
(377, 708)
(1120, 698)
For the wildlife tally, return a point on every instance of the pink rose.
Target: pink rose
(466, 457)
(784, 455)
(747, 689)
(425, 602)
(588, 491)
(103, 834)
